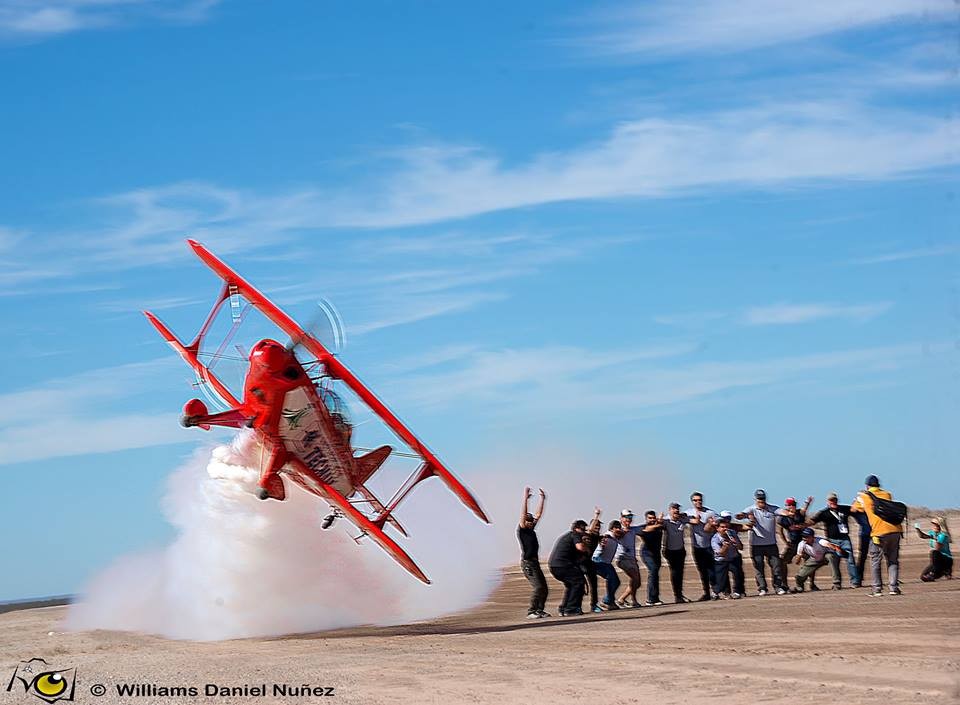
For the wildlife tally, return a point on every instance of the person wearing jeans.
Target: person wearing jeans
(835, 518)
(651, 539)
(726, 547)
(603, 557)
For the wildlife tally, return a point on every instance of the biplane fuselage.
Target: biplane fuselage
(301, 426)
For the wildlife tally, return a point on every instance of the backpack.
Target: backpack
(891, 512)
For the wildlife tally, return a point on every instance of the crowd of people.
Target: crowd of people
(584, 556)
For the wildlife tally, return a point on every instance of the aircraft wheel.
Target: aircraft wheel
(328, 521)
(263, 494)
(186, 421)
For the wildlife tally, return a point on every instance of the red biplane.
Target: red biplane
(300, 423)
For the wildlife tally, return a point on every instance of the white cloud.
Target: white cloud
(81, 414)
(544, 382)
(762, 147)
(46, 18)
(785, 313)
(685, 26)
(918, 253)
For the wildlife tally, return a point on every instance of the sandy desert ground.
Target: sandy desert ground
(825, 647)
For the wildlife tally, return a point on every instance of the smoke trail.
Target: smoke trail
(240, 567)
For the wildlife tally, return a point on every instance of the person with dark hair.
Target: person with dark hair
(530, 555)
(835, 519)
(727, 559)
(702, 527)
(817, 552)
(564, 565)
(603, 557)
(763, 542)
(941, 559)
(790, 522)
(626, 559)
(884, 537)
(651, 546)
(674, 549)
(591, 539)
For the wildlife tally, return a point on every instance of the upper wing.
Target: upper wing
(338, 370)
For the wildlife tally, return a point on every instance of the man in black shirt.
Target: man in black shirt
(651, 539)
(530, 555)
(835, 519)
(565, 566)
(791, 521)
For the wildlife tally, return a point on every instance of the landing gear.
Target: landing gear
(328, 521)
(263, 494)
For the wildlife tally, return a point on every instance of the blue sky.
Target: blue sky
(707, 244)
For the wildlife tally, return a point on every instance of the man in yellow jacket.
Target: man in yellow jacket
(884, 538)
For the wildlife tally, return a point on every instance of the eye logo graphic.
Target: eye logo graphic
(41, 681)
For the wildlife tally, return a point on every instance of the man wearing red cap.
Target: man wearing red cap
(790, 523)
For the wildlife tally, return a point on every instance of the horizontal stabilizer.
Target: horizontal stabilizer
(367, 464)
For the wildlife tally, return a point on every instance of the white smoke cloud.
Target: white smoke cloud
(241, 567)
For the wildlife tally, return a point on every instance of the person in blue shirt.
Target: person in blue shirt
(727, 559)
(941, 559)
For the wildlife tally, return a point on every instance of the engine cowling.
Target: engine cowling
(193, 410)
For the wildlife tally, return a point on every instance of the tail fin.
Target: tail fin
(366, 465)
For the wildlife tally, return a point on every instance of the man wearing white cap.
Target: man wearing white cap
(626, 559)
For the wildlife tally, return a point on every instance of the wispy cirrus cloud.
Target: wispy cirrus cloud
(788, 314)
(35, 19)
(916, 253)
(78, 414)
(551, 381)
(778, 314)
(726, 26)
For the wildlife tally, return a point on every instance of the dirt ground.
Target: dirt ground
(826, 647)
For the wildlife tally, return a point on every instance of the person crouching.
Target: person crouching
(564, 565)
(813, 554)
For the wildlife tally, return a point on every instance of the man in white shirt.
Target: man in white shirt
(814, 553)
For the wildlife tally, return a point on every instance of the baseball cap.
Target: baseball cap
(674, 505)
(626, 513)
(872, 481)
(807, 532)
(726, 515)
(832, 495)
(760, 494)
(790, 502)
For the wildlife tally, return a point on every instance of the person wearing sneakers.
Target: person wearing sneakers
(727, 559)
(835, 518)
(763, 542)
(790, 522)
(884, 537)
(674, 549)
(591, 539)
(530, 554)
(603, 557)
(814, 553)
(651, 540)
(626, 559)
(703, 524)
(564, 565)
